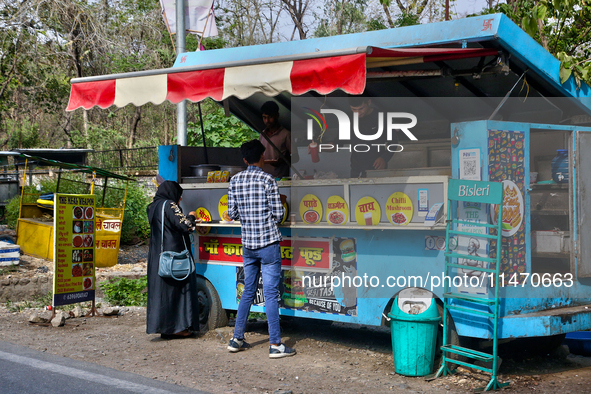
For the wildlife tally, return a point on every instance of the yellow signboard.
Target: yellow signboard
(399, 209)
(223, 209)
(311, 209)
(108, 236)
(203, 215)
(368, 212)
(74, 249)
(285, 212)
(337, 212)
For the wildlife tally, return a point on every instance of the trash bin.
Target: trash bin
(414, 324)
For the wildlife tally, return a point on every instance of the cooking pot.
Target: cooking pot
(233, 170)
(203, 169)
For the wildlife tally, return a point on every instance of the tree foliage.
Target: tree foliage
(220, 130)
(46, 43)
(563, 27)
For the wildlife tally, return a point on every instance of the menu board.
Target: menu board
(367, 212)
(223, 209)
(399, 209)
(107, 237)
(74, 249)
(311, 209)
(203, 215)
(337, 211)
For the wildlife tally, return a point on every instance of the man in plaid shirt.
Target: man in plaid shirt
(253, 198)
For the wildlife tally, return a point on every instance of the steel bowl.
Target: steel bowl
(203, 169)
(233, 170)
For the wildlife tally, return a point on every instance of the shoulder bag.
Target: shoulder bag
(175, 265)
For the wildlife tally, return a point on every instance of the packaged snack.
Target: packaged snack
(218, 176)
(225, 177)
(210, 176)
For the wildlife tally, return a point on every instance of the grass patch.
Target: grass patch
(126, 292)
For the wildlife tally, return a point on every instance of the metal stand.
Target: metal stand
(466, 303)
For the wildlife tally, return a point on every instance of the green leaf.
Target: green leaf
(541, 12)
(564, 74)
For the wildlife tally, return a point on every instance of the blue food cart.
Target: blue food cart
(490, 108)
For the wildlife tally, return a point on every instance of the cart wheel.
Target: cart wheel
(211, 313)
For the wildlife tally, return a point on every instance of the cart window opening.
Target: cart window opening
(550, 204)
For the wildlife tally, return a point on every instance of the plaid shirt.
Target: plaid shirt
(253, 198)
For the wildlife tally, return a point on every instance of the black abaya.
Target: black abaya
(172, 305)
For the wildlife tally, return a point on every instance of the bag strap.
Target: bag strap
(162, 229)
(162, 235)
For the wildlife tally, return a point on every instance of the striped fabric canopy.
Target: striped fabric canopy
(319, 72)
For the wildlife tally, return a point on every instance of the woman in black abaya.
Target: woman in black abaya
(173, 309)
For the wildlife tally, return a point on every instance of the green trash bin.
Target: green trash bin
(414, 323)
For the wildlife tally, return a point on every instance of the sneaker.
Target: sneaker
(237, 345)
(278, 351)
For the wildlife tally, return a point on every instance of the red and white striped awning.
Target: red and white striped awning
(321, 72)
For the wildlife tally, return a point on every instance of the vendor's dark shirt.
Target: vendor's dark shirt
(363, 161)
(281, 138)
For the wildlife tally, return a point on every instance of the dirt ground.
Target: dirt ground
(331, 358)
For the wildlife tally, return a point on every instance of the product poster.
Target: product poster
(474, 246)
(506, 151)
(423, 202)
(74, 249)
(312, 291)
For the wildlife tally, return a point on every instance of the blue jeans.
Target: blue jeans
(268, 261)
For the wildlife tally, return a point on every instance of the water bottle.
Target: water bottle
(560, 166)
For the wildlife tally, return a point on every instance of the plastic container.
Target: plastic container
(579, 342)
(415, 320)
(560, 166)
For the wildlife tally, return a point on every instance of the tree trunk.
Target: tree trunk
(134, 123)
(388, 16)
(67, 127)
(297, 10)
(542, 36)
(85, 129)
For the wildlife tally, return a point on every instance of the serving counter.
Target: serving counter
(395, 203)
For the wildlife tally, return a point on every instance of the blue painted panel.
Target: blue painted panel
(379, 253)
(483, 28)
(167, 168)
(469, 29)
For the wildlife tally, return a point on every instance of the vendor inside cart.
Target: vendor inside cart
(277, 142)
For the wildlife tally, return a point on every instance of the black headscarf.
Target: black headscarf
(169, 190)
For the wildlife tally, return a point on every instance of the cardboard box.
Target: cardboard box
(551, 242)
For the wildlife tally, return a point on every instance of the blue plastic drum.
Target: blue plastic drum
(560, 166)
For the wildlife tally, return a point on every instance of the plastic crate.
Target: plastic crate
(579, 342)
